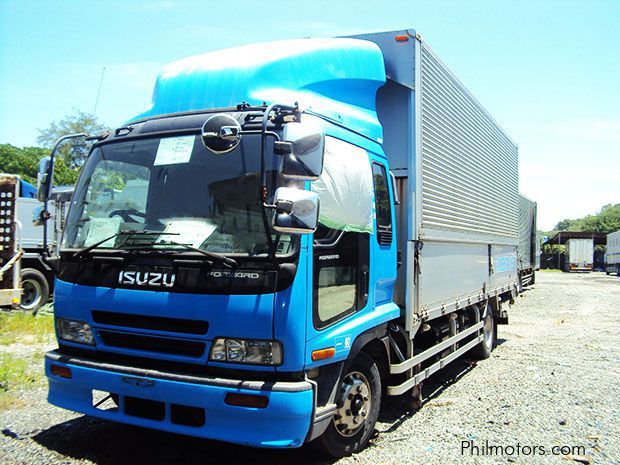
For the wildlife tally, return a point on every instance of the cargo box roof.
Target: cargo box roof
(335, 77)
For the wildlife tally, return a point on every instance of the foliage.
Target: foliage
(73, 152)
(25, 162)
(23, 338)
(605, 221)
(18, 327)
(553, 248)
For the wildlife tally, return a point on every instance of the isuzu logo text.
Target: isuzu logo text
(146, 278)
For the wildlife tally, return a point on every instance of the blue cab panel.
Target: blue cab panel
(249, 316)
(338, 78)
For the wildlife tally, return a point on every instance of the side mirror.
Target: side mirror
(296, 211)
(303, 149)
(44, 179)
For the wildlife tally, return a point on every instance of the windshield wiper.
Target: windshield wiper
(229, 262)
(129, 233)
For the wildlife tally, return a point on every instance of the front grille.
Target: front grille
(153, 344)
(157, 323)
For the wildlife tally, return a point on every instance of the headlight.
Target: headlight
(74, 331)
(246, 351)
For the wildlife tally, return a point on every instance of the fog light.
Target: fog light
(246, 400)
(74, 331)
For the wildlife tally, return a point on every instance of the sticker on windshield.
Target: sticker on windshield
(192, 231)
(174, 150)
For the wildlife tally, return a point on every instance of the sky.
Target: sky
(548, 71)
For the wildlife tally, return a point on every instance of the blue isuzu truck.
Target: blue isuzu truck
(290, 231)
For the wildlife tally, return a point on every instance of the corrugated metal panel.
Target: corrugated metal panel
(527, 223)
(469, 165)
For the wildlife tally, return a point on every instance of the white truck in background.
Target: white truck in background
(37, 278)
(612, 253)
(579, 255)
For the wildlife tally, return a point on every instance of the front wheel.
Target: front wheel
(358, 405)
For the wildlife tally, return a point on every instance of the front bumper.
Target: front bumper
(285, 421)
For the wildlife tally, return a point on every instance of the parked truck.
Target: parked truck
(528, 250)
(37, 277)
(289, 231)
(579, 255)
(612, 253)
(10, 242)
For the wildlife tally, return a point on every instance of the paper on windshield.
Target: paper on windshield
(345, 188)
(100, 228)
(191, 231)
(174, 150)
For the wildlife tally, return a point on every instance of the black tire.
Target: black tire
(483, 350)
(35, 290)
(337, 441)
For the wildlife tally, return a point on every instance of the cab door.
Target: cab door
(340, 275)
(353, 270)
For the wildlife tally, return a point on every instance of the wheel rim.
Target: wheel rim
(354, 406)
(31, 294)
(488, 329)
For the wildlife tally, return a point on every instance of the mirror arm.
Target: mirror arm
(45, 214)
(263, 180)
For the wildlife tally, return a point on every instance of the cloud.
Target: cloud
(585, 174)
(599, 130)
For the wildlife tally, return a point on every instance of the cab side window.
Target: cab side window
(382, 204)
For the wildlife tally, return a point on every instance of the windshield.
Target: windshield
(176, 186)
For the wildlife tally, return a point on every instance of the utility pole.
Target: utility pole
(559, 242)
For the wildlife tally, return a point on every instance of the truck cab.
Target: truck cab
(185, 290)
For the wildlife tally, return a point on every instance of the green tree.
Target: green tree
(605, 221)
(72, 152)
(563, 225)
(25, 163)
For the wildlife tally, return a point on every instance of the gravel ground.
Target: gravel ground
(553, 380)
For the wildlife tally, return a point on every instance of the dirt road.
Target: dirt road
(553, 380)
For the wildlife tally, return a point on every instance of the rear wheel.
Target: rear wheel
(483, 350)
(359, 402)
(35, 290)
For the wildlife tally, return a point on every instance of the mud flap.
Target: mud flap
(500, 312)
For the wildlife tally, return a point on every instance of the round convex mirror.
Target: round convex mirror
(221, 133)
